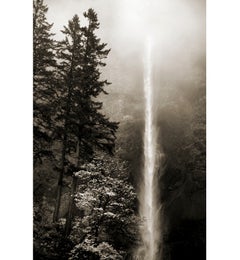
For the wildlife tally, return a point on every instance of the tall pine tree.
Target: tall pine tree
(83, 127)
(43, 80)
(69, 56)
(101, 131)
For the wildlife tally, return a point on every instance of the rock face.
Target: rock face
(183, 184)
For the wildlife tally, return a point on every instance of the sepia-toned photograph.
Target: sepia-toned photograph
(119, 129)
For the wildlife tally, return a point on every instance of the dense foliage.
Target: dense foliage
(104, 219)
(108, 213)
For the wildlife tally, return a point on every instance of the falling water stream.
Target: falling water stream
(148, 195)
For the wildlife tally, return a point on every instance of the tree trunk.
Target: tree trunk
(60, 178)
(60, 182)
(71, 199)
(70, 207)
(58, 199)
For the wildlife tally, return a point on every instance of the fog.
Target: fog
(177, 28)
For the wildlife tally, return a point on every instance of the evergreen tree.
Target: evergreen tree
(43, 80)
(81, 126)
(69, 55)
(101, 132)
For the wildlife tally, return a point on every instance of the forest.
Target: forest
(88, 150)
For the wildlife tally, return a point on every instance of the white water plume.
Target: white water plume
(149, 209)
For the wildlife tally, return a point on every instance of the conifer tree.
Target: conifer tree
(101, 131)
(43, 80)
(69, 55)
(84, 128)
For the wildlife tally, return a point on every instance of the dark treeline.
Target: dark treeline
(84, 205)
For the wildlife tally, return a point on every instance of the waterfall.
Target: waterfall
(149, 210)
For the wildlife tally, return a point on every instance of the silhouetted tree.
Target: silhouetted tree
(43, 80)
(81, 125)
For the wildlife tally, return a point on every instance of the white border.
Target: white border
(223, 130)
(16, 130)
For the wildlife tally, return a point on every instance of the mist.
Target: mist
(177, 29)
